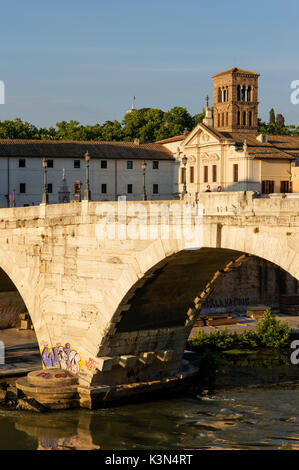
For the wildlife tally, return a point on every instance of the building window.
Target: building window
(267, 186)
(50, 188)
(183, 176)
(129, 165)
(155, 188)
(50, 163)
(249, 93)
(243, 93)
(236, 173)
(129, 188)
(238, 93)
(219, 95)
(22, 163)
(191, 174)
(227, 119)
(205, 174)
(214, 173)
(250, 118)
(104, 188)
(218, 119)
(77, 163)
(222, 119)
(22, 187)
(285, 187)
(77, 187)
(104, 164)
(239, 118)
(155, 165)
(244, 118)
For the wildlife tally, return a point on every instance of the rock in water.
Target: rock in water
(29, 404)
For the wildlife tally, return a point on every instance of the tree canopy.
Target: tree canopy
(277, 126)
(146, 124)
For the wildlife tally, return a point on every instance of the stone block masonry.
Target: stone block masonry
(119, 311)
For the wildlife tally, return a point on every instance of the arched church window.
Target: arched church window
(219, 95)
(243, 93)
(249, 93)
(244, 118)
(238, 93)
(239, 118)
(250, 118)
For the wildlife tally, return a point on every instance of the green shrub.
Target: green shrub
(271, 332)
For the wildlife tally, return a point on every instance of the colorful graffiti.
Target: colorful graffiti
(62, 356)
(90, 364)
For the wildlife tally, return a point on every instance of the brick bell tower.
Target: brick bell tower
(236, 101)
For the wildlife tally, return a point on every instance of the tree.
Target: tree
(271, 116)
(17, 129)
(197, 118)
(178, 120)
(279, 123)
(111, 131)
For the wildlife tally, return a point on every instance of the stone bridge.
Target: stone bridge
(114, 288)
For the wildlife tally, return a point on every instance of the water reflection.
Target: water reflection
(245, 419)
(53, 433)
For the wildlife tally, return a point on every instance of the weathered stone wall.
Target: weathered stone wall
(11, 305)
(255, 282)
(84, 293)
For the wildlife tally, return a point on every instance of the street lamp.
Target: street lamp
(184, 161)
(86, 190)
(143, 166)
(45, 191)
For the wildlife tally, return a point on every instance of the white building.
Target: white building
(115, 169)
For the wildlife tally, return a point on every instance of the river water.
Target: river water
(252, 418)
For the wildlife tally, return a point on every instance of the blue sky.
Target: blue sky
(70, 59)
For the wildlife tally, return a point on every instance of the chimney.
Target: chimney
(263, 138)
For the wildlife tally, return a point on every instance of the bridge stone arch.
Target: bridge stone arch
(25, 279)
(80, 290)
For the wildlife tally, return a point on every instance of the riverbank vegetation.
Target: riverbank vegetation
(270, 333)
(250, 358)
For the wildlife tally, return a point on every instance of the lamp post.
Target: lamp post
(143, 166)
(184, 161)
(45, 191)
(87, 190)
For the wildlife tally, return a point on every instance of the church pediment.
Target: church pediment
(200, 135)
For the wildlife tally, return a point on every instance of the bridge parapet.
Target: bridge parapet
(224, 203)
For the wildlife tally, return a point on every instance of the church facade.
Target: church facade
(226, 152)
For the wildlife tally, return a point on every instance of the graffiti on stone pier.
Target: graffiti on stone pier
(226, 302)
(62, 356)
